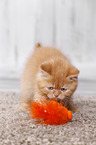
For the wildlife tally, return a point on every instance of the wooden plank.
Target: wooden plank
(76, 29)
(12, 9)
(25, 25)
(3, 32)
(7, 34)
(44, 27)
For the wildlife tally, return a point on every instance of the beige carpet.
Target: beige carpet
(16, 129)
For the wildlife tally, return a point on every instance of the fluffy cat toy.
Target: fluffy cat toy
(49, 112)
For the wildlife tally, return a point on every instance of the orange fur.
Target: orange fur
(48, 67)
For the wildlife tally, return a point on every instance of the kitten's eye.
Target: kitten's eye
(63, 89)
(50, 88)
(73, 78)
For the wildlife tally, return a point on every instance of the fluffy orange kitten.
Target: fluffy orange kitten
(48, 74)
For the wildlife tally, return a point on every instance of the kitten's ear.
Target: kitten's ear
(73, 73)
(45, 68)
(38, 45)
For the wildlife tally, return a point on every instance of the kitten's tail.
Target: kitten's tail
(38, 45)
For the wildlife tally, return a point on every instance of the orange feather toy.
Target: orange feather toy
(49, 112)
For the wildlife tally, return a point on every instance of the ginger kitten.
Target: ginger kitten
(48, 74)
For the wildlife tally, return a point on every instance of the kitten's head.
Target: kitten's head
(57, 79)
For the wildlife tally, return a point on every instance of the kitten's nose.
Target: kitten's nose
(56, 96)
(56, 93)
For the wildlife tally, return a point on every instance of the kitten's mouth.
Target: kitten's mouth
(64, 103)
(59, 100)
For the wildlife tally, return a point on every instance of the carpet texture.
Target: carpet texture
(17, 129)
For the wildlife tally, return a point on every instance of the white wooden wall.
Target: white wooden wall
(68, 24)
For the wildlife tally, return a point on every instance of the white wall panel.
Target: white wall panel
(7, 36)
(76, 28)
(25, 28)
(68, 24)
(44, 21)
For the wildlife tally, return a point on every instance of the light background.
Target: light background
(70, 25)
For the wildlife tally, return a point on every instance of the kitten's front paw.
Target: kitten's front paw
(75, 110)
